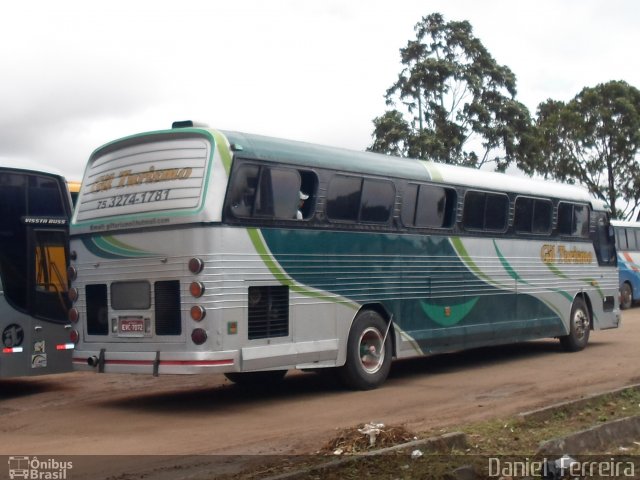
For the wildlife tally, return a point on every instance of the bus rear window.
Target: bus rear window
(151, 175)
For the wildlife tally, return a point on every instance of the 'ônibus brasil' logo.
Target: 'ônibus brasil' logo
(562, 254)
(128, 178)
(33, 468)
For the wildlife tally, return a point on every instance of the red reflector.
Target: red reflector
(73, 294)
(196, 265)
(198, 312)
(196, 289)
(72, 273)
(12, 350)
(199, 336)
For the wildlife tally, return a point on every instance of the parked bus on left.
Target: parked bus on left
(37, 338)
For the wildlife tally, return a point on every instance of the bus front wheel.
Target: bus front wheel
(626, 296)
(579, 326)
(369, 352)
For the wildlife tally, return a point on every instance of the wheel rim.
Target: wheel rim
(371, 350)
(580, 323)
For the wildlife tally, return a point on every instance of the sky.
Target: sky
(76, 74)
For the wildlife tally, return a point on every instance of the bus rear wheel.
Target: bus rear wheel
(369, 353)
(579, 327)
(626, 296)
(256, 379)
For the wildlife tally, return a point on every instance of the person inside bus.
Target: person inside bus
(303, 197)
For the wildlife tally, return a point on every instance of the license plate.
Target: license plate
(131, 326)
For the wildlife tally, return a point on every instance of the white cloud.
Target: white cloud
(77, 74)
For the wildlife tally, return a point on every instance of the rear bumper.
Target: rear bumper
(156, 363)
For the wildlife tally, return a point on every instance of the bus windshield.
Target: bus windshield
(33, 239)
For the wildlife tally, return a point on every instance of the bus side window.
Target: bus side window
(631, 239)
(243, 190)
(573, 219)
(278, 193)
(428, 206)
(604, 242)
(485, 211)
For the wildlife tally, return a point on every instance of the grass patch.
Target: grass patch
(516, 437)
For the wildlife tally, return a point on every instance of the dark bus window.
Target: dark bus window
(604, 245)
(573, 219)
(377, 201)
(33, 262)
(485, 211)
(532, 215)
(542, 216)
(243, 190)
(523, 215)
(278, 193)
(631, 239)
(496, 212)
(265, 192)
(428, 206)
(409, 199)
(473, 214)
(343, 198)
(44, 197)
(434, 207)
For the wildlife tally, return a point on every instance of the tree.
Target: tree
(452, 101)
(593, 140)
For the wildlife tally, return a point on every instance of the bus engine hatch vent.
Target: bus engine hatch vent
(167, 312)
(268, 312)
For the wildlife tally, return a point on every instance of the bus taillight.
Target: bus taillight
(198, 312)
(74, 315)
(73, 294)
(196, 289)
(198, 336)
(74, 336)
(72, 273)
(196, 265)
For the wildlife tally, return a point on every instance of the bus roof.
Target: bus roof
(352, 161)
(312, 155)
(28, 165)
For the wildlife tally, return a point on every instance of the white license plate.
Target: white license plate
(131, 326)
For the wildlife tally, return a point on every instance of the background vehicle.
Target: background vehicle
(74, 190)
(192, 257)
(628, 248)
(37, 337)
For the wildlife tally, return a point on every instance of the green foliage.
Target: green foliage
(453, 102)
(593, 140)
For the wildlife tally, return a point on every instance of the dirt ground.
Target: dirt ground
(197, 421)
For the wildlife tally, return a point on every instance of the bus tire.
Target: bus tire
(626, 296)
(368, 359)
(256, 379)
(579, 327)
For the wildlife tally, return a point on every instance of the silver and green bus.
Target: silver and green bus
(35, 208)
(196, 250)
